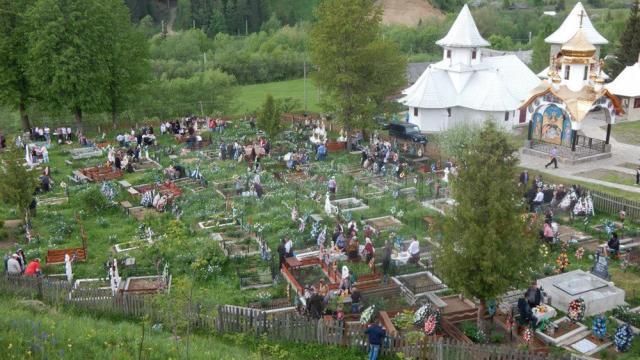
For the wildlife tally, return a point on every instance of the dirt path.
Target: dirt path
(408, 12)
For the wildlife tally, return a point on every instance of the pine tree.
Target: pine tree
(269, 118)
(486, 248)
(540, 57)
(630, 40)
(15, 87)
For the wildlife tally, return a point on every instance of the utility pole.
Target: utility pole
(305, 83)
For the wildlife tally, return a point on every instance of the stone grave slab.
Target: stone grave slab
(383, 222)
(584, 346)
(316, 217)
(124, 183)
(350, 204)
(599, 295)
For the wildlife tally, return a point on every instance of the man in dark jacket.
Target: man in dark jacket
(614, 245)
(376, 334)
(281, 252)
(533, 295)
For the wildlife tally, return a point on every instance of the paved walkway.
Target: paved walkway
(621, 153)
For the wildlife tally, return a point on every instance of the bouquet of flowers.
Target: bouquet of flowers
(263, 297)
(579, 253)
(544, 250)
(562, 261)
(600, 327)
(622, 340)
(367, 314)
(527, 336)
(430, 325)
(576, 310)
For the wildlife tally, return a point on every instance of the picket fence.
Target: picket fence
(603, 202)
(273, 325)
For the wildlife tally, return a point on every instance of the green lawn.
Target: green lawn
(251, 97)
(627, 132)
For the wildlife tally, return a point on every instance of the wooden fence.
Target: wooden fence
(275, 326)
(613, 205)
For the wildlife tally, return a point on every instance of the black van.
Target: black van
(407, 131)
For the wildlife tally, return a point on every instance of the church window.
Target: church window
(448, 54)
(474, 53)
(586, 73)
(636, 103)
(506, 116)
(449, 111)
(415, 111)
(567, 72)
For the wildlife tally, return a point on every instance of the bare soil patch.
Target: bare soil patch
(407, 12)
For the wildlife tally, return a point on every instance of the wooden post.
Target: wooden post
(574, 139)
(608, 134)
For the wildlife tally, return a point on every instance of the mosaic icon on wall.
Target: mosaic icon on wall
(552, 126)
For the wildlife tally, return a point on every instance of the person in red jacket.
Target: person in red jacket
(33, 269)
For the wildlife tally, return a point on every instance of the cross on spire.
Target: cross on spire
(582, 15)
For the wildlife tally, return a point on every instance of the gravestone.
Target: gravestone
(601, 267)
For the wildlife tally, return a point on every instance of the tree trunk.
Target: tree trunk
(114, 117)
(482, 309)
(78, 115)
(24, 118)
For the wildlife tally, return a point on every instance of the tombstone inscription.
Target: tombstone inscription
(601, 267)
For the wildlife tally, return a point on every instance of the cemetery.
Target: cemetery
(277, 229)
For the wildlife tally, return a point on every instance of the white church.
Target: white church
(467, 86)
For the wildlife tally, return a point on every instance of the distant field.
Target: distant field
(250, 97)
(627, 132)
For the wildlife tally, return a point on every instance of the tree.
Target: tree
(269, 119)
(68, 52)
(126, 63)
(540, 57)
(357, 69)
(272, 25)
(560, 5)
(15, 88)
(630, 39)
(17, 184)
(486, 248)
(217, 24)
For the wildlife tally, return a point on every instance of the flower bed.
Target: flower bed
(564, 330)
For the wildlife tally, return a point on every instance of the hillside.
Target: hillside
(407, 12)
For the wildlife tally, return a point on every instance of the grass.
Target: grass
(627, 132)
(612, 176)
(251, 97)
(31, 329)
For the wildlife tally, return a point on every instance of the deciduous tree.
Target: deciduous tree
(17, 183)
(15, 88)
(356, 69)
(486, 248)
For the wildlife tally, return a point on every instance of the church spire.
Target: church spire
(463, 33)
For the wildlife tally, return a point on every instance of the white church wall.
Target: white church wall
(430, 120)
(466, 115)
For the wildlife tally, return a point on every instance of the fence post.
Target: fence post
(40, 289)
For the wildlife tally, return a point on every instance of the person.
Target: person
(533, 295)
(352, 249)
(288, 248)
(332, 185)
(45, 154)
(356, 296)
(537, 200)
(321, 153)
(223, 150)
(282, 253)
(13, 265)
(547, 232)
(376, 335)
(369, 250)
(340, 244)
(22, 259)
(345, 281)
(33, 269)
(323, 289)
(386, 262)
(554, 157)
(526, 313)
(638, 175)
(614, 244)
(414, 251)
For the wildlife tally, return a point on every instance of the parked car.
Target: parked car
(407, 131)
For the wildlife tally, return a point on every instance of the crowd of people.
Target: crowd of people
(16, 264)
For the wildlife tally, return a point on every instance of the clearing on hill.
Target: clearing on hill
(407, 12)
